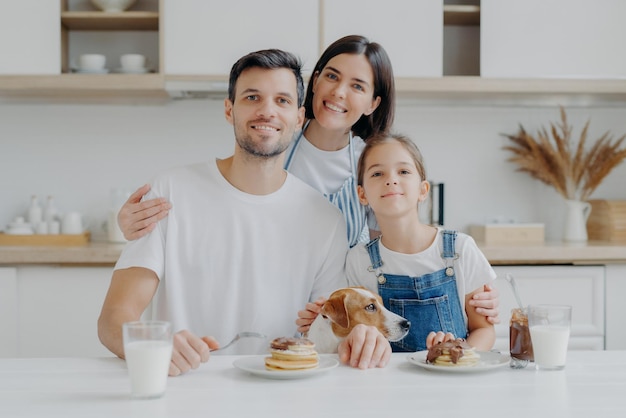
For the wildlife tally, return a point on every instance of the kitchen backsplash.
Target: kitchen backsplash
(79, 153)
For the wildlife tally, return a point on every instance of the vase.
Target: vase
(576, 215)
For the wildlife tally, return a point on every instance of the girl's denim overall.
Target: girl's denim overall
(430, 302)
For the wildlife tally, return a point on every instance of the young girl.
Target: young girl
(423, 273)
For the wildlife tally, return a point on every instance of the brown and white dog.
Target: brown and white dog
(348, 307)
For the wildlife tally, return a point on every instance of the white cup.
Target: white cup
(133, 62)
(72, 223)
(549, 332)
(148, 352)
(91, 62)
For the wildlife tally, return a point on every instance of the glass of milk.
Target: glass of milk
(148, 352)
(549, 331)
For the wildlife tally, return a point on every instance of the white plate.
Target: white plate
(256, 366)
(488, 361)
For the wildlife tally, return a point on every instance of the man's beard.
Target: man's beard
(254, 149)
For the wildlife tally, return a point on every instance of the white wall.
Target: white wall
(79, 152)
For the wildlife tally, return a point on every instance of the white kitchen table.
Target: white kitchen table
(592, 385)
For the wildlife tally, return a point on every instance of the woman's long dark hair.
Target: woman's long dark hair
(381, 119)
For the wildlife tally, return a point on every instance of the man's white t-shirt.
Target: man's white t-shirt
(229, 261)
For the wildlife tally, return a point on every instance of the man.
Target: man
(239, 250)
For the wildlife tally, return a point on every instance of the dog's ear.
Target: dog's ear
(335, 309)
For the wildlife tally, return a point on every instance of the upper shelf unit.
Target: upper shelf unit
(109, 86)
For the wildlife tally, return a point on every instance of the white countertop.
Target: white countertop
(593, 384)
(101, 253)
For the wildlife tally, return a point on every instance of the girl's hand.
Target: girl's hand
(434, 338)
(486, 303)
(137, 218)
(308, 315)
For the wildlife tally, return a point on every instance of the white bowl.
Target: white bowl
(113, 5)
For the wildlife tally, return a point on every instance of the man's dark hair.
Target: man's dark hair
(269, 59)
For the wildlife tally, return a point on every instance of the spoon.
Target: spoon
(244, 334)
(511, 280)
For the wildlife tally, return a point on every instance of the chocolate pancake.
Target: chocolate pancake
(453, 353)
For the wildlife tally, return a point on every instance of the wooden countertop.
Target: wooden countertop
(93, 254)
(592, 252)
(105, 254)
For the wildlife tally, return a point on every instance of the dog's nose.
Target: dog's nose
(405, 325)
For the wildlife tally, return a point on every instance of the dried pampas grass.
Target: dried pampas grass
(575, 172)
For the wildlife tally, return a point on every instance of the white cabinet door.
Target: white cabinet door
(206, 37)
(8, 312)
(58, 309)
(615, 306)
(30, 37)
(556, 38)
(582, 287)
(410, 31)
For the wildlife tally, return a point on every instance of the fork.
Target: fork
(244, 334)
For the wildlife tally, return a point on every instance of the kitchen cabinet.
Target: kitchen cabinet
(72, 28)
(26, 46)
(615, 306)
(205, 37)
(559, 38)
(412, 37)
(50, 311)
(8, 311)
(582, 287)
(199, 40)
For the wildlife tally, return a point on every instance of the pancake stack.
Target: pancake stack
(453, 353)
(289, 354)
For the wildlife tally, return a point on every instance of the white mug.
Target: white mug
(72, 223)
(133, 62)
(91, 62)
